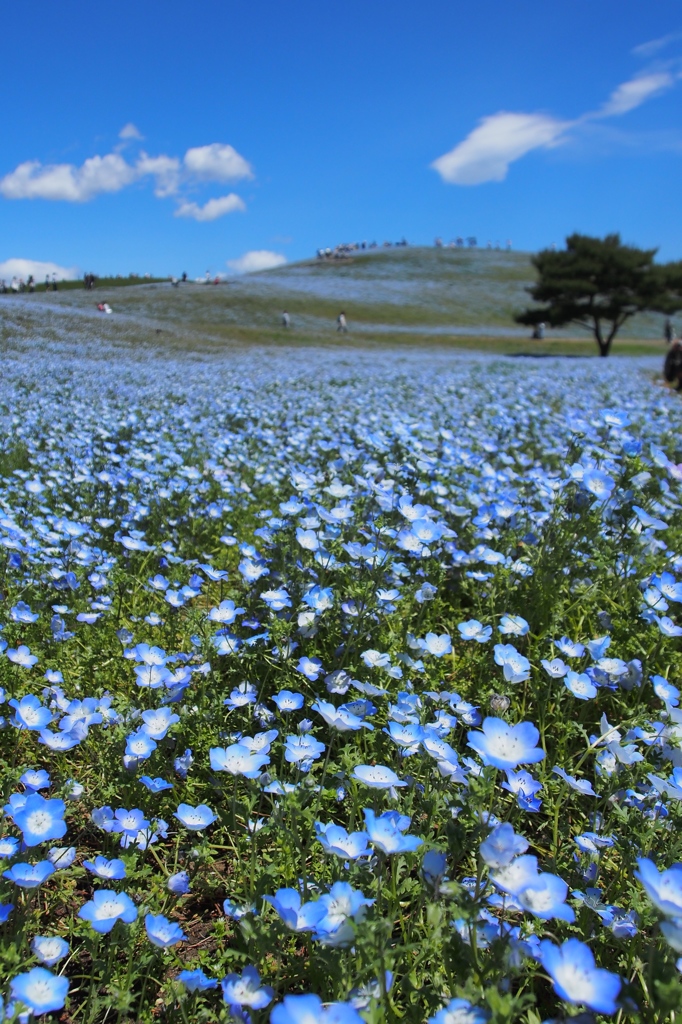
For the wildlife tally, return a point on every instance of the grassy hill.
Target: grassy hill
(423, 296)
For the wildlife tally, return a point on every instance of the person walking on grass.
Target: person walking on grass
(341, 323)
(669, 331)
(286, 320)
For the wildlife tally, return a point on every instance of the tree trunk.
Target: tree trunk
(604, 344)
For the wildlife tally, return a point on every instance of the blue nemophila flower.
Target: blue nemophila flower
(386, 832)
(110, 869)
(338, 841)
(276, 600)
(516, 668)
(437, 645)
(515, 625)
(310, 668)
(302, 750)
(598, 647)
(195, 818)
(21, 612)
(238, 759)
(501, 846)
(29, 713)
(40, 990)
(582, 786)
(570, 648)
(664, 889)
(241, 696)
(665, 625)
(158, 721)
(287, 701)
(339, 718)
(555, 668)
(472, 629)
(49, 949)
(580, 685)
(35, 780)
(196, 980)
(40, 819)
(178, 883)
(592, 842)
(376, 659)
(129, 823)
(62, 856)
(245, 989)
(545, 897)
(235, 912)
(668, 586)
(155, 785)
(576, 977)
(298, 916)
(225, 613)
(161, 932)
(460, 1011)
(29, 876)
(599, 484)
(22, 656)
(106, 908)
(666, 691)
(506, 746)
(139, 745)
(342, 905)
(310, 1009)
(517, 875)
(9, 846)
(377, 776)
(433, 867)
(648, 521)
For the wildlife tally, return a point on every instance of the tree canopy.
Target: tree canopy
(600, 283)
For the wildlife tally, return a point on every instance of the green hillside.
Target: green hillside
(422, 296)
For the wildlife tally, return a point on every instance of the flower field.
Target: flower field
(338, 688)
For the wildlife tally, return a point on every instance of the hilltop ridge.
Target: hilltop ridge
(400, 295)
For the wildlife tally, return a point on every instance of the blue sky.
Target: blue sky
(277, 128)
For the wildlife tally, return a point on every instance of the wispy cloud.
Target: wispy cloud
(213, 209)
(500, 139)
(630, 95)
(256, 259)
(130, 131)
(654, 46)
(39, 268)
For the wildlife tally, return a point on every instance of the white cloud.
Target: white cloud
(33, 180)
(654, 45)
(24, 268)
(112, 172)
(257, 259)
(632, 94)
(213, 209)
(130, 131)
(498, 140)
(165, 170)
(217, 162)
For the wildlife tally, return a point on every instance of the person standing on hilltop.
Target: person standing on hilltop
(669, 331)
(341, 323)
